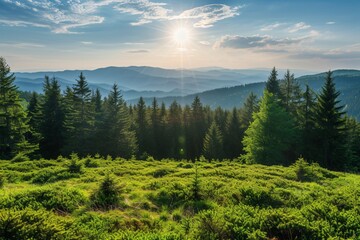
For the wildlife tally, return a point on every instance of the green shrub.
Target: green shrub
(158, 173)
(20, 157)
(30, 224)
(91, 163)
(2, 180)
(74, 166)
(57, 199)
(52, 175)
(108, 196)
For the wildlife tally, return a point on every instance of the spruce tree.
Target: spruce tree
(246, 112)
(142, 128)
(330, 126)
(53, 120)
(270, 135)
(82, 118)
(34, 119)
(175, 131)
(291, 92)
(272, 84)
(213, 143)
(13, 122)
(233, 136)
(117, 137)
(195, 138)
(307, 125)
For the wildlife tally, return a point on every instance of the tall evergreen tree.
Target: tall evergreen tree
(246, 112)
(233, 136)
(82, 118)
(142, 127)
(272, 84)
(307, 125)
(175, 131)
(52, 125)
(118, 138)
(270, 135)
(291, 92)
(13, 122)
(213, 143)
(34, 119)
(198, 129)
(155, 130)
(330, 125)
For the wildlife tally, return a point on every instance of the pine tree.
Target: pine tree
(270, 135)
(291, 92)
(233, 136)
(272, 84)
(175, 131)
(155, 130)
(117, 138)
(53, 119)
(142, 128)
(247, 111)
(34, 119)
(82, 118)
(198, 129)
(307, 125)
(213, 143)
(330, 125)
(13, 122)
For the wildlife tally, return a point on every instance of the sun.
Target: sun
(181, 36)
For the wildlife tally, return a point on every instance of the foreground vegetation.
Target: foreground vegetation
(96, 198)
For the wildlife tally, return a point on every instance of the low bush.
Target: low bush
(108, 195)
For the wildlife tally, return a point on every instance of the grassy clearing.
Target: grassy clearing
(94, 198)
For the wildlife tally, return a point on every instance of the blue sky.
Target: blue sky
(88, 34)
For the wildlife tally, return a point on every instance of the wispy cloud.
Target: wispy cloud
(330, 23)
(22, 45)
(271, 27)
(87, 43)
(299, 26)
(206, 43)
(138, 51)
(207, 15)
(65, 16)
(257, 41)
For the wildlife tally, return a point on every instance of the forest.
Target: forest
(283, 125)
(78, 165)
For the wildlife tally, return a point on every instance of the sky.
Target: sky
(88, 34)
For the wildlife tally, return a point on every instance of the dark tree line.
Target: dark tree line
(288, 122)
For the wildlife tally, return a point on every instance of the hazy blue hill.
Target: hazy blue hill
(146, 81)
(347, 82)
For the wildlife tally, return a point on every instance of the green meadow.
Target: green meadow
(105, 198)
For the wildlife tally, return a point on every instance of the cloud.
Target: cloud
(204, 16)
(271, 27)
(15, 23)
(138, 51)
(147, 10)
(22, 45)
(206, 43)
(87, 43)
(257, 41)
(209, 14)
(330, 23)
(65, 16)
(298, 26)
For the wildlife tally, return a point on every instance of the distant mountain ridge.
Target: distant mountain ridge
(347, 82)
(136, 81)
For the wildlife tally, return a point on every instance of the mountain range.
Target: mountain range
(226, 88)
(147, 81)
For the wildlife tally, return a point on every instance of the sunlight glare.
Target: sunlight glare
(181, 36)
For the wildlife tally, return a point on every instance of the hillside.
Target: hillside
(165, 200)
(147, 81)
(347, 82)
